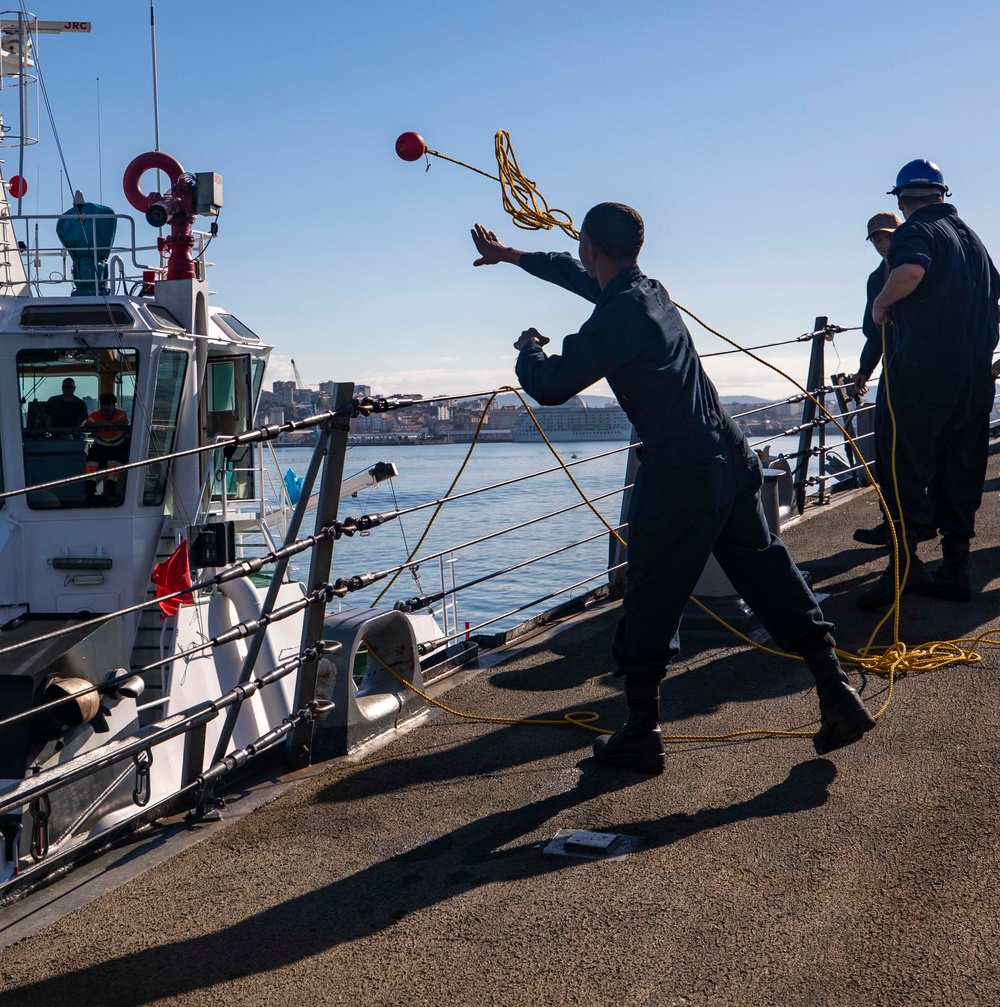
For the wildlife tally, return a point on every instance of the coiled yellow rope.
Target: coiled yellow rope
(521, 198)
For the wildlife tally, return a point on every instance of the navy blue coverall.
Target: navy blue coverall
(871, 354)
(940, 387)
(697, 490)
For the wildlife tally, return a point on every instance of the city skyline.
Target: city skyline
(755, 140)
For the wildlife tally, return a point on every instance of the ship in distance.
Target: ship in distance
(574, 421)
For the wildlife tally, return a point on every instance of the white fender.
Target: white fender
(241, 596)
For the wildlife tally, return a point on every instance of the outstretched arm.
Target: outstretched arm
(491, 250)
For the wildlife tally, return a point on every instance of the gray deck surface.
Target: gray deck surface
(413, 876)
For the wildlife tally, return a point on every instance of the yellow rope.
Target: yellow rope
(586, 719)
(525, 204)
(530, 211)
(521, 198)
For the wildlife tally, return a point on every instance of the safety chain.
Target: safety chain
(41, 809)
(143, 761)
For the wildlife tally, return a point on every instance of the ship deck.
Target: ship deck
(414, 874)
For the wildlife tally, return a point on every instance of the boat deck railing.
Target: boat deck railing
(117, 268)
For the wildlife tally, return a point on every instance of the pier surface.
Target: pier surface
(415, 875)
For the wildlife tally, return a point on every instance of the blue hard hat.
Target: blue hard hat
(919, 178)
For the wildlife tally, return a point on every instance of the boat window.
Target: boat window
(67, 430)
(258, 380)
(226, 403)
(164, 317)
(170, 370)
(56, 315)
(238, 327)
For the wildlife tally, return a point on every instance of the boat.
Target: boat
(574, 421)
(151, 634)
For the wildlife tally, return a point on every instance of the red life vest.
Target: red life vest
(109, 431)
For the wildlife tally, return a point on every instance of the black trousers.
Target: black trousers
(941, 449)
(679, 515)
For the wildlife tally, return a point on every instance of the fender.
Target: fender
(243, 596)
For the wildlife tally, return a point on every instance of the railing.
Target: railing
(364, 581)
(108, 262)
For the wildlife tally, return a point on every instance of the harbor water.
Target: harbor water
(426, 472)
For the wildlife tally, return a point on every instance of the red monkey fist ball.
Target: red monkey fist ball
(410, 146)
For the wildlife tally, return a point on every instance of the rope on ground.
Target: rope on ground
(587, 719)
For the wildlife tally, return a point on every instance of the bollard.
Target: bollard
(377, 704)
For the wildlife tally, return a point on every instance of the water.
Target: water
(425, 473)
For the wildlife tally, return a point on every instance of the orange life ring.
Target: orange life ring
(138, 166)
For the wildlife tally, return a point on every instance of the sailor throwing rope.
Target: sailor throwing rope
(698, 487)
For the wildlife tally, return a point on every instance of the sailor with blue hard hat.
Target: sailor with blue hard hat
(941, 296)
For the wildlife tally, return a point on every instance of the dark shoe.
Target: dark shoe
(632, 747)
(879, 535)
(883, 592)
(844, 718)
(949, 585)
(639, 744)
(951, 579)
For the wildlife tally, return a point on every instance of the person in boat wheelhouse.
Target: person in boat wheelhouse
(941, 296)
(110, 448)
(65, 412)
(697, 491)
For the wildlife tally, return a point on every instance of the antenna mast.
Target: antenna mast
(100, 157)
(156, 100)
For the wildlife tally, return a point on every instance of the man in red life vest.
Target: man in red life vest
(110, 448)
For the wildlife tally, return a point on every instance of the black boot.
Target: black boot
(842, 714)
(879, 535)
(639, 744)
(883, 591)
(951, 579)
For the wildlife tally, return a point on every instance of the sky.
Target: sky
(755, 139)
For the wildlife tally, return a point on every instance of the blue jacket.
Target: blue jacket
(871, 352)
(948, 325)
(636, 339)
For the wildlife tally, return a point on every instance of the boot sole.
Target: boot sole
(822, 747)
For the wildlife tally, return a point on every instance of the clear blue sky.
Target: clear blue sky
(755, 140)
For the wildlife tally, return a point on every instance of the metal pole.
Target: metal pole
(814, 380)
(100, 156)
(299, 745)
(22, 104)
(277, 576)
(822, 452)
(156, 100)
